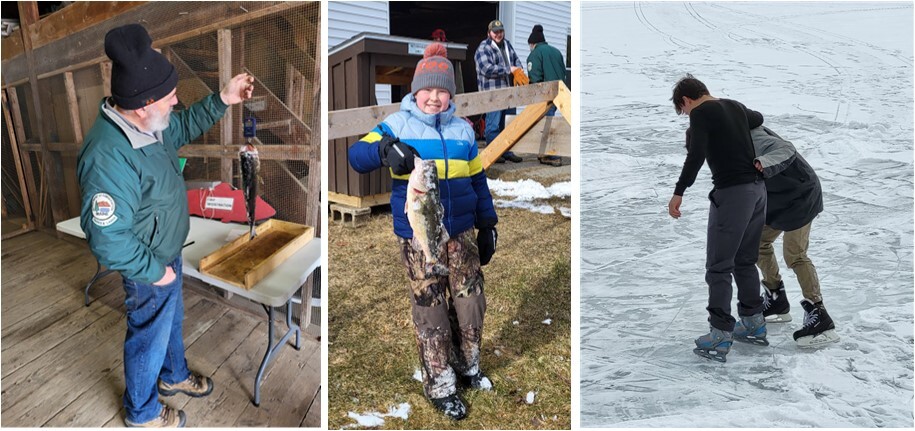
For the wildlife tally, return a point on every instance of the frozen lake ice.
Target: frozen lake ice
(836, 79)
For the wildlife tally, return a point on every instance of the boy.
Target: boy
(447, 311)
(720, 134)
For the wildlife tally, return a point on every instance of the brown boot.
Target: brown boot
(195, 386)
(168, 418)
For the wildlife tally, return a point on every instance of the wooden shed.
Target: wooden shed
(354, 67)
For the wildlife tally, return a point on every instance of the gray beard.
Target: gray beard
(158, 124)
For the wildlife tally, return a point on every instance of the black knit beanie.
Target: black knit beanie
(139, 75)
(536, 35)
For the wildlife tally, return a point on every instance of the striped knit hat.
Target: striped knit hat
(434, 70)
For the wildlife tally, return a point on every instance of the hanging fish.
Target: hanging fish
(250, 165)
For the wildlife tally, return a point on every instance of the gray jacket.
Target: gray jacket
(793, 189)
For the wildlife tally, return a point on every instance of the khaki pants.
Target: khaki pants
(447, 313)
(794, 245)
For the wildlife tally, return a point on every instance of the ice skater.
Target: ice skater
(720, 134)
(794, 200)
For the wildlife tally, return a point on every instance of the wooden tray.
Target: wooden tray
(244, 262)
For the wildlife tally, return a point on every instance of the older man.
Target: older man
(135, 213)
(496, 61)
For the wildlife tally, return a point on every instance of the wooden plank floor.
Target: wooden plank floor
(62, 362)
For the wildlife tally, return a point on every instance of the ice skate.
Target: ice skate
(715, 345)
(818, 329)
(751, 329)
(776, 307)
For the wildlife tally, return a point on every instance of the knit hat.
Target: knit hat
(434, 70)
(139, 75)
(536, 35)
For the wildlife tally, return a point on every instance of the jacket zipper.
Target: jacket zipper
(155, 229)
(438, 128)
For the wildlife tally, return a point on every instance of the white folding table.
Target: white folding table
(275, 290)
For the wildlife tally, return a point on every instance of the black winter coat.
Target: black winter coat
(793, 189)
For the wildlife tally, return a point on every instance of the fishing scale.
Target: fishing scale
(250, 126)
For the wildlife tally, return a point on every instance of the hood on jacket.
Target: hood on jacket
(408, 104)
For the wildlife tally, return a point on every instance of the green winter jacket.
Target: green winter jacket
(545, 64)
(134, 202)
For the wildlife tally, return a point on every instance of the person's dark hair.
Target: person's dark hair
(690, 87)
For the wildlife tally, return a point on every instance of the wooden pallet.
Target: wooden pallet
(244, 262)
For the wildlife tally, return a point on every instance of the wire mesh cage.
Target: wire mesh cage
(279, 51)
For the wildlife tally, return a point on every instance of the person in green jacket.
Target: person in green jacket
(544, 64)
(135, 213)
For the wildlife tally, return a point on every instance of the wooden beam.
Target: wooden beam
(359, 201)
(28, 15)
(86, 48)
(105, 68)
(12, 44)
(56, 147)
(563, 102)
(513, 132)
(75, 17)
(357, 121)
(551, 136)
(19, 129)
(226, 124)
(17, 158)
(73, 107)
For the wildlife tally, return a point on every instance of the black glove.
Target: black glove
(396, 155)
(487, 237)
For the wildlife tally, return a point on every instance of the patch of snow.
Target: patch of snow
(485, 384)
(376, 419)
(532, 207)
(525, 192)
(418, 375)
(547, 321)
(515, 322)
(530, 397)
(566, 212)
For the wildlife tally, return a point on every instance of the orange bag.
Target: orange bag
(520, 78)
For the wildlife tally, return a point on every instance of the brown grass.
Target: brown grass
(372, 353)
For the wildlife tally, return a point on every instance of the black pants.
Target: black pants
(736, 218)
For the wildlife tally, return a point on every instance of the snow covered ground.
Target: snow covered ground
(834, 78)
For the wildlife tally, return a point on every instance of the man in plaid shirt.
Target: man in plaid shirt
(496, 60)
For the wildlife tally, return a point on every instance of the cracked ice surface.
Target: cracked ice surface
(834, 78)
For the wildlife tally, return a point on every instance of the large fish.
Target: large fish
(250, 165)
(425, 212)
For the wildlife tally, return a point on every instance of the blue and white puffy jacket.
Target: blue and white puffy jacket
(449, 141)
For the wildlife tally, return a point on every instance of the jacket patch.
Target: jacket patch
(103, 209)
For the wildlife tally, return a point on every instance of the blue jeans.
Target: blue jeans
(495, 123)
(154, 348)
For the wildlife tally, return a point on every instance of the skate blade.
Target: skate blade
(826, 337)
(756, 341)
(711, 354)
(778, 318)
